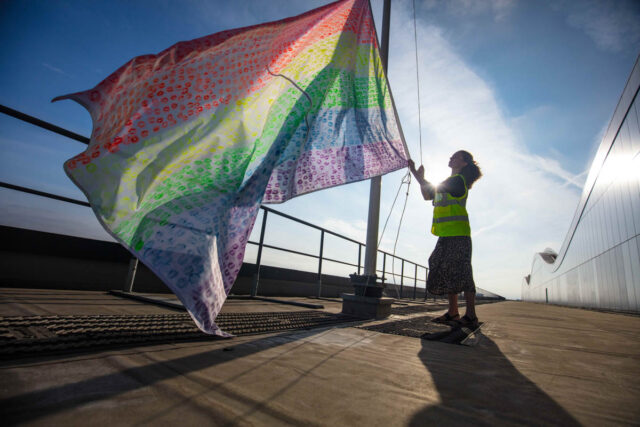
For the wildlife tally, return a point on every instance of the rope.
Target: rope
(405, 180)
(392, 206)
(306, 118)
(415, 39)
(393, 271)
(306, 115)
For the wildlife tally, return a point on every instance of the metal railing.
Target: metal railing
(320, 256)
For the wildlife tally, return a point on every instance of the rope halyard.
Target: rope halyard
(306, 117)
(415, 39)
(406, 179)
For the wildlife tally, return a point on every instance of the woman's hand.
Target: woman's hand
(419, 174)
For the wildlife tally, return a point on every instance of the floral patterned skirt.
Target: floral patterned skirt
(450, 266)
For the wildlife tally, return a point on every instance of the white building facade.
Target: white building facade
(598, 265)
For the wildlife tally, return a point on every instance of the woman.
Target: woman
(450, 263)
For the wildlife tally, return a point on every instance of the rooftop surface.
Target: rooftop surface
(531, 364)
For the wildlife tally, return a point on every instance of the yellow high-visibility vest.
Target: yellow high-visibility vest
(450, 216)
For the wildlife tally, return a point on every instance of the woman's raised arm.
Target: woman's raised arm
(426, 188)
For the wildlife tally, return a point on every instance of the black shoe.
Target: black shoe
(446, 318)
(468, 321)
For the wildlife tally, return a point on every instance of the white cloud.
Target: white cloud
(554, 168)
(612, 24)
(520, 204)
(356, 230)
(56, 69)
(500, 9)
(509, 216)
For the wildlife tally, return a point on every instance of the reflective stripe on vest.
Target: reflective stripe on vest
(450, 214)
(448, 202)
(451, 218)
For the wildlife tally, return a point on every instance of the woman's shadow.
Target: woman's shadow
(479, 386)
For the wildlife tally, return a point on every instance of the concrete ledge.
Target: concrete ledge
(35, 259)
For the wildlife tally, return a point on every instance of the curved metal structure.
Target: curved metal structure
(598, 264)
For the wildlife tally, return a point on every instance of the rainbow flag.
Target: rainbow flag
(187, 144)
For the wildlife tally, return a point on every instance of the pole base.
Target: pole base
(366, 286)
(366, 307)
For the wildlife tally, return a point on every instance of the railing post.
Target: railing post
(320, 263)
(384, 266)
(401, 278)
(359, 256)
(415, 281)
(256, 280)
(131, 275)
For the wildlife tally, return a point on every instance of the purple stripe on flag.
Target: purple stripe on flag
(318, 169)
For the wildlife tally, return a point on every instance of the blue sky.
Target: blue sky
(527, 86)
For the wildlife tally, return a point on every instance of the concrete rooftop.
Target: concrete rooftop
(533, 364)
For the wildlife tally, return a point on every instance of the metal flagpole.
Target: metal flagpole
(373, 221)
(368, 301)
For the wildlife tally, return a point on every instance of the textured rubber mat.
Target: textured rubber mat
(38, 335)
(413, 309)
(423, 327)
(430, 306)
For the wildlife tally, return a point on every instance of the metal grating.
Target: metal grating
(413, 309)
(423, 327)
(39, 335)
(432, 306)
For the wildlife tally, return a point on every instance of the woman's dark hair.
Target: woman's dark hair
(471, 172)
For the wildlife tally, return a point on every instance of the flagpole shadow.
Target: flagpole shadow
(36, 405)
